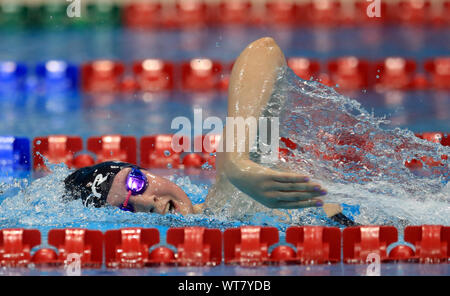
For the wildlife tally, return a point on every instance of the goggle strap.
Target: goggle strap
(125, 203)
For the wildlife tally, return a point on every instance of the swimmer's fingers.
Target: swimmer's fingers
(292, 196)
(301, 204)
(283, 177)
(307, 187)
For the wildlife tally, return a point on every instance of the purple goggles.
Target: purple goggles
(136, 183)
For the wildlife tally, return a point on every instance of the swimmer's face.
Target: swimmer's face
(161, 195)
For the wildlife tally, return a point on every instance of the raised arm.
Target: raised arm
(251, 84)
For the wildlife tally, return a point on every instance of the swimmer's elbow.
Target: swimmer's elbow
(265, 50)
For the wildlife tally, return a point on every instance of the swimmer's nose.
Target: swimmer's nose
(158, 204)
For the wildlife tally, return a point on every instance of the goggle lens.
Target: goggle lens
(136, 182)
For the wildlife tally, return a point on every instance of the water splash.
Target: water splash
(336, 141)
(38, 204)
(358, 158)
(354, 155)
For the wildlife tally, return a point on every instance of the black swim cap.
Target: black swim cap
(91, 184)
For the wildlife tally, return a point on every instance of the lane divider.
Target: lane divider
(181, 14)
(245, 246)
(155, 151)
(349, 73)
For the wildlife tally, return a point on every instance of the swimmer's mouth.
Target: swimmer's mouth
(170, 207)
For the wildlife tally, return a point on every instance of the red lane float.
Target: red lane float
(323, 12)
(193, 160)
(157, 152)
(440, 12)
(15, 246)
(283, 254)
(45, 257)
(343, 149)
(129, 247)
(435, 137)
(153, 75)
(315, 244)
(359, 242)
(113, 147)
(225, 76)
(56, 149)
(248, 245)
(201, 75)
(83, 160)
(142, 15)
(161, 256)
(445, 139)
(158, 148)
(432, 242)
(102, 76)
(233, 12)
(395, 73)
(412, 11)
(285, 153)
(197, 246)
(401, 253)
(439, 71)
(190, 13)
(78, 244)
(359, 15)
(349, 73)
(209, 144)
(280, 12)
(304, 68)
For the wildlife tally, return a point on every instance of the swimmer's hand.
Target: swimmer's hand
(252, 82)
(274, 189)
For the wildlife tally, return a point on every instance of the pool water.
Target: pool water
(34, 203)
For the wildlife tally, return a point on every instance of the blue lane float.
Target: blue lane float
(12, 76)
(57, 76)
(14, 154)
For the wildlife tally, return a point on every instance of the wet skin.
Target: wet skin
(251, 85)
(161, 195)
(252, 82)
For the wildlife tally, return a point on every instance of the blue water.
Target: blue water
(386, 269)
(30, 203)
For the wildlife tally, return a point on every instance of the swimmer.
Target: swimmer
(132, 188)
